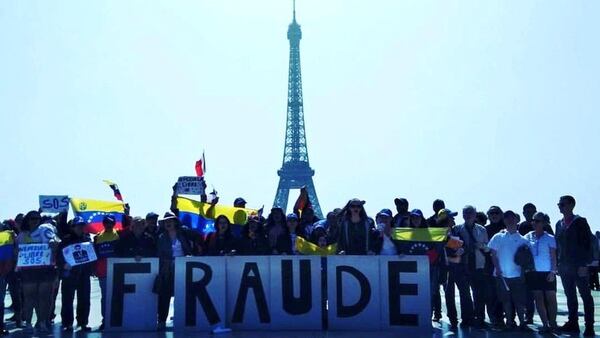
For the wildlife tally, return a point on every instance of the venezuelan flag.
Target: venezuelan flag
(7, 246)
(420, 241)
(307, 248)
(201, 216)
(93, 211)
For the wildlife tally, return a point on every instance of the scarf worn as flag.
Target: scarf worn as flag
(420, 241)
(93, 212)
(305, 247)
(115, 189)
(201, 216)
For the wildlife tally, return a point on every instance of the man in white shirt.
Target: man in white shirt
(511, 285)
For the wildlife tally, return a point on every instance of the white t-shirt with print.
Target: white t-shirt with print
(505, 245)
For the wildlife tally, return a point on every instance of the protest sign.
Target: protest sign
(79, 253)
(199, 301)
(190, 185)
(54, 204)
(32, 255)
(296, 298)
(130, 303)
(248, 296)
(352, 290)
(365, 293)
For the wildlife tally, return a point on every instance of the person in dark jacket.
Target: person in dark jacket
(75, 279)
(438, 205)
(254, 240)
(402, 211)
(574, 241)
(152, 227)
(307, 221)
(457, 274)
(136, 243)
(172, 243)
(357, 233)
(276, 229)
(221, 242)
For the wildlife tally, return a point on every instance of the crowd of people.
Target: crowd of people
(503, 267)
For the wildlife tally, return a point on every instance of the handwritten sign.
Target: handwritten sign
(190, 185)
(79, 253)
(31, 255)
(54, 204)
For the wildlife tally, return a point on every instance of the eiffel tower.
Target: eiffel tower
(295, 172)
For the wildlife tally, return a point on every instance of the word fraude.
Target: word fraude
(275, 292)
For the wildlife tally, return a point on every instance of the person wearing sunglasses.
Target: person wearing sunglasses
(357, 234)
(542, 281)
(172, 243)
(574, 240)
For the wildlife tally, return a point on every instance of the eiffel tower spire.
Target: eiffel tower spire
(295, 171)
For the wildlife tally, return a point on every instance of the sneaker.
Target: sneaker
(544, 330)
(28, 328)
(85, 328)
(570, 327)
(589, 331)
(161, 327)
(524, 328)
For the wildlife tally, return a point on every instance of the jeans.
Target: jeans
(70, 285)
(571, 282)
(513, 298)
(493, 304)
(2, 295)
(477, 282)
(457, 275)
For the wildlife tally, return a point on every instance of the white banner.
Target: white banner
(361, 293)
(352, 292)
(248, 296)
(31, 255)
(296, 299)
(200, 293)
(54, 204)
(190, 185)
(79, 253)
(130, 303)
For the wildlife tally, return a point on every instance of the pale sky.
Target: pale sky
(476, 102)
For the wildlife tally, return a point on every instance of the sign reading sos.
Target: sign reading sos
(55, 204)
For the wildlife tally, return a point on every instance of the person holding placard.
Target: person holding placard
(76, 268)
(36, 262)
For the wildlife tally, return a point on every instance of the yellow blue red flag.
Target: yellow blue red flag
(93, 212)
(201, 216)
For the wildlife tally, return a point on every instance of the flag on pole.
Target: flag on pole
(115, 189)
(303, 202)
(201, 166)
